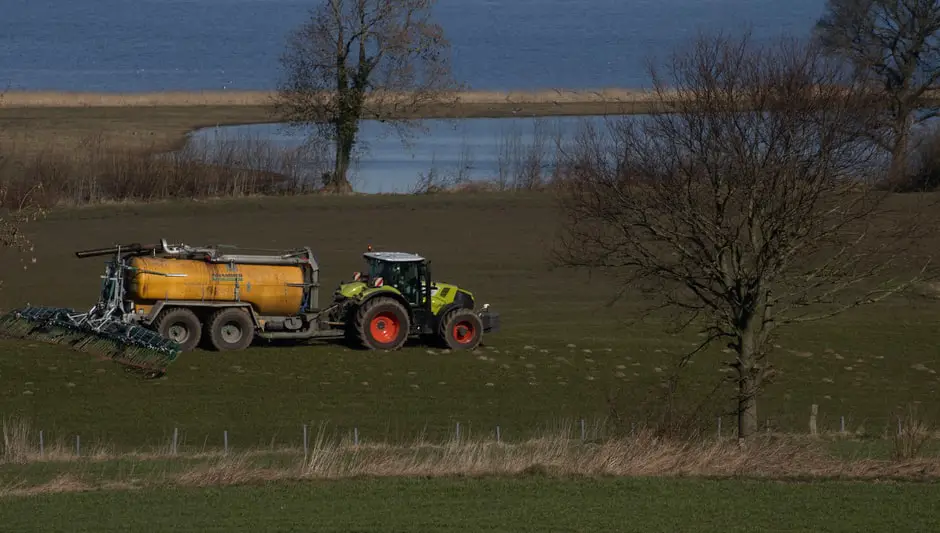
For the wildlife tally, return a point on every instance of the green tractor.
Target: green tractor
(396, 299)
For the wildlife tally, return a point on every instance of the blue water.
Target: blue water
(144, 45)
(153, 45)
(469, 149)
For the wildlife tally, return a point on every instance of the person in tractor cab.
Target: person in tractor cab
(410, 282)
(403, 276)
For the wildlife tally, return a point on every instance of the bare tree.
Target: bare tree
(363, 59)
(896, 43)
(742, 206)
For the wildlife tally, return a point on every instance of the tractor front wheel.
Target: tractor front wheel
(180, 325)
(382, 324)
(462, 330)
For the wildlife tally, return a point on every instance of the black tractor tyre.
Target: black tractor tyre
(181, 325)
(461, 329)
(230, 329)
(443, 319)
(382, 324)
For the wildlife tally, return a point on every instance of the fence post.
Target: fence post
(498, 436)
(458, 432)
(175, 440)
(42, 445)
(719, 427)
(583, 435)
(225, 439)
(78, 446)
(842, 424)
(305, 440)
(356, 435)
(814, 410)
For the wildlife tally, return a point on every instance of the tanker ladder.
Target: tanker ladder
(103, 330)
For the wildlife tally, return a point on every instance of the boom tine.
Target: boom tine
(127, 344)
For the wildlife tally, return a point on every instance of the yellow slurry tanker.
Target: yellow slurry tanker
(160, 300)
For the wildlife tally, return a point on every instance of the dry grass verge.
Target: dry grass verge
(556, 455)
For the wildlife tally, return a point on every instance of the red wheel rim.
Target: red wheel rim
(463, 332)
(384, 327)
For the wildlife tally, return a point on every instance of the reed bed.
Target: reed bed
(264, 98)
(98, 172)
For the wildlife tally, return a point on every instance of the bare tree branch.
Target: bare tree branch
(740, 218)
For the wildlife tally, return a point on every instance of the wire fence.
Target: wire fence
(37, 443)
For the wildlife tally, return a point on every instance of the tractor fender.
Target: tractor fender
(384, 294)
(461, 301)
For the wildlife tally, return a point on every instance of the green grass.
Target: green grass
(527, 504)
(864, 365)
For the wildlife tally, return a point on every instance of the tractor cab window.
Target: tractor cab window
(406, 277)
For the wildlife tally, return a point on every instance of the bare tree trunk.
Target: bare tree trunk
(749, 375)
(345, 140)
(747, 406)
(898, 172)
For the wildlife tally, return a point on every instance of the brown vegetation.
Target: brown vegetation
(31, 99)
(96, 173)
(642, 453)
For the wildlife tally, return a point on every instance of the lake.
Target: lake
(469, 149)
(153, 45)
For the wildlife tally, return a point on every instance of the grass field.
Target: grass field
(529, 504)
(562, 356)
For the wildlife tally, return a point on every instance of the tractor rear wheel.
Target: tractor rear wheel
(461, 329)
(181, 325)
(382, 324)
(230, 329)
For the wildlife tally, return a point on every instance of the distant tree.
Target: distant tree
(896, 43)
(362, 59)
(743, 206)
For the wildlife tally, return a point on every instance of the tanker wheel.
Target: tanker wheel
(462, 330)
(181, 325)
(382, 324)
(230, 329)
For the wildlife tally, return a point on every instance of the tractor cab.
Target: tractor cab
(407, 273)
